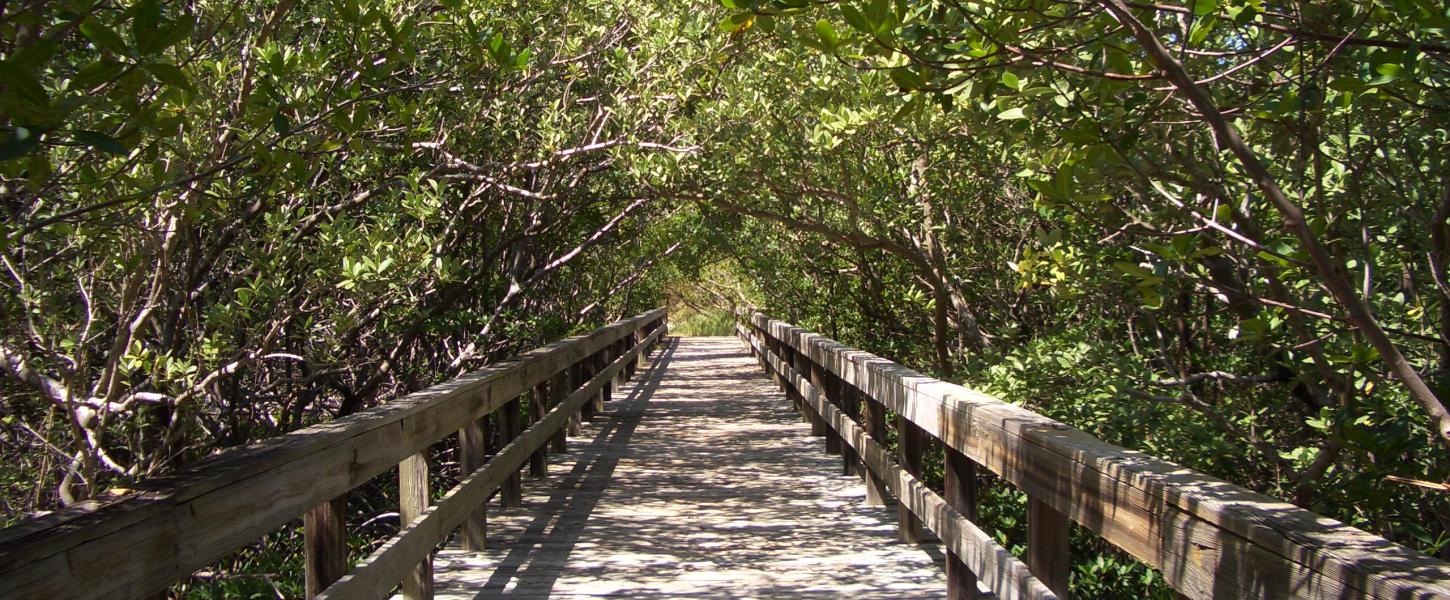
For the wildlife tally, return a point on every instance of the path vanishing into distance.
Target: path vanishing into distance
(698, 481)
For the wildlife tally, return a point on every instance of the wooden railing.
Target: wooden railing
(137, 545)
(1208, 538)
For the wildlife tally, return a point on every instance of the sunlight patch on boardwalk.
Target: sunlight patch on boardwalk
(698, 481)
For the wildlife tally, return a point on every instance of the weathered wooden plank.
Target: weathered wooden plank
(910, 444)
(472, 451)
(875, 425)
(960, 487)
(538, 404)
(230, 500)
(1047, 545)
(390, 562)
(849, 403)
(1002, 572)
(512, 423)
(818, 379)
(721, 508)
(324, 545)
(413, 500)
(559, 390)
(1209, 538)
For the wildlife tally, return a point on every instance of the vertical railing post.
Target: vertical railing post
(1047, 546)
(828, 391)
(588, 368)
(413, 500)
(538, 405)
(559, 390)
(960, 475)
(875, 417)
(324, 540)
(640, 359)
(579, 374)
(851, 405)
(910, 441)
(773, 346)
(802, 364)
(606, 393)
(624, 346)
(472, 454)
(512, 494)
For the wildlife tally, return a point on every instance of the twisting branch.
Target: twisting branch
(1333, 278)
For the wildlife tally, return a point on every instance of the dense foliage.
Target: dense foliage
(227, 220)
(1209, 231)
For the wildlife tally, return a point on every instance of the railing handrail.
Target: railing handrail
(168, 528)
(1208, 537)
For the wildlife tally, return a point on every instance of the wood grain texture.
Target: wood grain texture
(697, 482)
(1209, 538)
(413, 500)
(999, 570)
(175, 525)
(392, 561)
(1047, 545)
(512, 422)
(472, 454)
(959, 475)
(324, 545)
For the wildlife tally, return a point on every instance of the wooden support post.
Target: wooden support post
(1047, 546)
(875, 427)
(606, 393)
(804, 367)
(472, 453)
(578, 373)
(538, 405)
(961, 494)
(512, 493)
(588, 368)
(827, 387)
(851, 405)
(641, 360)
(324, 540)
(910, 441)
(629, 342)
(559, 390)
(413, 500)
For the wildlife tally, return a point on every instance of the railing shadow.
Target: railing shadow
(575, 497)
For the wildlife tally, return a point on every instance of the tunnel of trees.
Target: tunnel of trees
(1215, 231)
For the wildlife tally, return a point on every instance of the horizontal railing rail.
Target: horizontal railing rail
(1209, 538)
(139, 544)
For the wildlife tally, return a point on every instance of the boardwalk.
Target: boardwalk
(698, 481)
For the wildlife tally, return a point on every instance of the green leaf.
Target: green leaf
(1010, 80)
(1203, 7)
(827, 33)
(97, 72)
(19, 143)
(25, 85)
(855, 19)
(100, 141)
(1388, 73)
(178, 30)
(146, 27)
(1011, 114)
(906, 79)
(737, 22)
(104, 37)
(170, 75)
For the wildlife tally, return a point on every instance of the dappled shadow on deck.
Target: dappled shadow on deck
(697, 481)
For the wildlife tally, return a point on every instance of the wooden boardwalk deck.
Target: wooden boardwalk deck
(698, 481)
